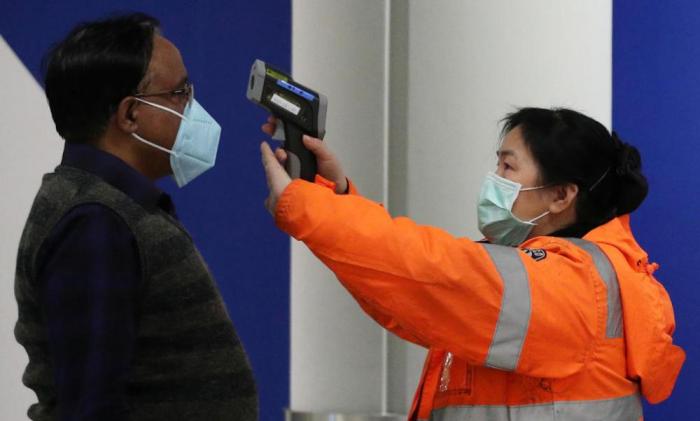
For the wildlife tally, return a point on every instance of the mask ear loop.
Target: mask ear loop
(153, 104)
(537, 218)
(599, 180)
(147, 142)
(533, 188)
(545, 213)
(139, 138)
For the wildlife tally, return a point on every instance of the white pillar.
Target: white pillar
(338, 49)
(29, 147)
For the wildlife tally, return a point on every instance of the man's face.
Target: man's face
(166, 72)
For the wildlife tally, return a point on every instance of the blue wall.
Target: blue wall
(656, 106)
(223, 209)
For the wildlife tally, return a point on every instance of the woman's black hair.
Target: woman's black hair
(97, 65)
(570, 147)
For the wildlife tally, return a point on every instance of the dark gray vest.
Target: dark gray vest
(189, 363)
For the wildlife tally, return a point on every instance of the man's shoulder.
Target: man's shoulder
(95, 215)
(72, 202)
(92, 225)
(69, 188)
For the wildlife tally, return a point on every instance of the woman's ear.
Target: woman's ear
(564, 198)
(126, 115)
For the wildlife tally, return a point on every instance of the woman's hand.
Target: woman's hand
(328, 165)
(277, 177)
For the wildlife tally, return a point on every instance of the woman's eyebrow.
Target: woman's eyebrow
(505, 152)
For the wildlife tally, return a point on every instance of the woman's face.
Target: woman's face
(516, 163)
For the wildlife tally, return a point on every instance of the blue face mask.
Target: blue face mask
(196, 143)
(495, 211)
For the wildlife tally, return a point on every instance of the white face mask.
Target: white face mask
(196, 144)
(495, 211)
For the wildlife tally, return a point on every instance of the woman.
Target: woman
(555, 316)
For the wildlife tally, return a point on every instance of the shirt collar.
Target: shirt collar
(117, 173)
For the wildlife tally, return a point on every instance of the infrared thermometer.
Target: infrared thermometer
(298, 109)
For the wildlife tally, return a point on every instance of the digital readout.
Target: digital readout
(286, 104)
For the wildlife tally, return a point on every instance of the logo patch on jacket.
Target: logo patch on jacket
(537, 254)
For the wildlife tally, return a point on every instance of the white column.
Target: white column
(29, 147)
(336, 358)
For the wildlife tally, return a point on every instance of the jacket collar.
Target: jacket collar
(617, 233)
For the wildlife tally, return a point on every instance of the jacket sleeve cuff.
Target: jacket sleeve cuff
(289, 212)
(351, 188)
(321, 181)
(303, 206)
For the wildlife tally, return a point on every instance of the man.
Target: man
(117, 310)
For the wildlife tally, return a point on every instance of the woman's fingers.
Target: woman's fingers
(273, 169)
(269, 128)
(317, 147)
(281, 155)
(277, 177)
(328, 165)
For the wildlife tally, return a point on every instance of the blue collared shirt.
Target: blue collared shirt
(89, 274)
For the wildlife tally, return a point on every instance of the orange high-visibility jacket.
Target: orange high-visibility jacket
(555, 329)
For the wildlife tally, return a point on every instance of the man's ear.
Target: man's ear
(564, 197)
(126, 115)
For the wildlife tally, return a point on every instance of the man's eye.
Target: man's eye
(179, 95)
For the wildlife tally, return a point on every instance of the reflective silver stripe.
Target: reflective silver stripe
(613, 327)
(290, 415)
(628, 408)
(514, 317)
